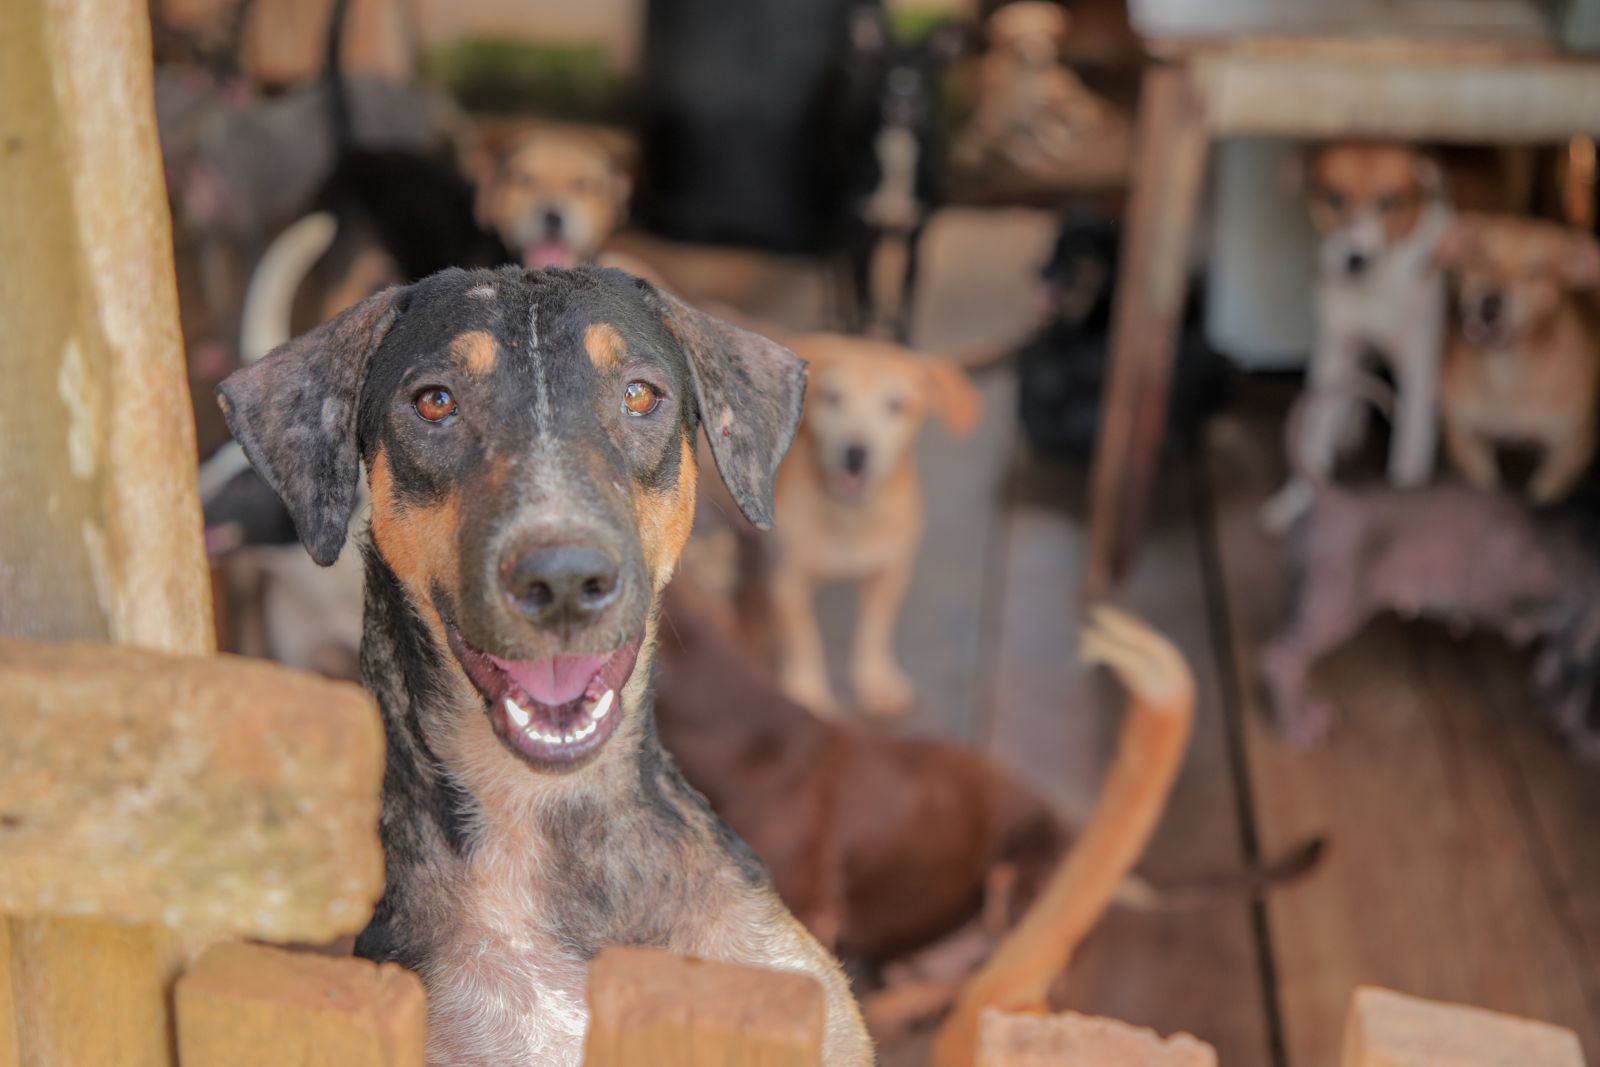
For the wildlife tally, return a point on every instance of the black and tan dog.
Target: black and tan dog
(528, 440)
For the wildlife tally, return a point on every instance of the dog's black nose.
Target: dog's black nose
(561, 585)
(553, 221)
(855, 459)
(1490, 305)
(1355, 263)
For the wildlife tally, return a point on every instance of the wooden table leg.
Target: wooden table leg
(1169, 171)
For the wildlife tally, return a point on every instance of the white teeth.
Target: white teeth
(518, 715)
(602, 705)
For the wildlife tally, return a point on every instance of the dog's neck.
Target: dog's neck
(594, 843)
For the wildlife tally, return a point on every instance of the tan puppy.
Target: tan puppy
(1524, 358)
(849, 506)
(553, 195)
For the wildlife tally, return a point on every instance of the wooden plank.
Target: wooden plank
(219, 796)
(1388, 1029)
(1434, 882)
(99, 518)
(256, 1006)
(93, 993)
(1563, 799)
(1073, 1040)
(1055, 724)
(1472, 101)
(1152, 284)
(650, 1006)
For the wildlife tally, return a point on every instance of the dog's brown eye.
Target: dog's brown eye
(896, 405)
(640, 398)
(435, 404)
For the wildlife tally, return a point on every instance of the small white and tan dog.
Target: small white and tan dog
(1381, 212)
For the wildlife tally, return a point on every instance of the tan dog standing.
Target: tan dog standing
(553, 195)
(849, 507)
(1524, 357)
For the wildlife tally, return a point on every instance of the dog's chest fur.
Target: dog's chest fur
(1402, 288)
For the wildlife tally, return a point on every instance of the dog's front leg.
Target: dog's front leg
(803, 664)
(1413, 451)
(1473, 455)
(1563, 463)
(881, 687)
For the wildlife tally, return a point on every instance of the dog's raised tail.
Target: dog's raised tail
(266, 321)
(1155, 736)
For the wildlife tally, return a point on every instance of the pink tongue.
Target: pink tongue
(554, 681)
(547, 254)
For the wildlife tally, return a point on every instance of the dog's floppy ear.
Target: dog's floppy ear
(1581, 263)
(749, 391)
(294, 413)
(952, 395)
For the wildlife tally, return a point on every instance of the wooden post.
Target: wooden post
(1388, 1029)
(649, 1006)
(254, 1006)
(99, 518)
(1169, 170)
(1073, 1040)
(1150, 750)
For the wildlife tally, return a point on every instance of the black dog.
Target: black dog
(894, 145)
(529, 443)
(1062, 369)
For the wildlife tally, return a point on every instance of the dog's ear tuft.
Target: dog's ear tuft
(749, 391)
(952, 396)
(294, 414)
(1582, 261)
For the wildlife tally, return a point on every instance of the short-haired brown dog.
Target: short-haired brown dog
(850, 508)
(1523, 364)
(553, 195)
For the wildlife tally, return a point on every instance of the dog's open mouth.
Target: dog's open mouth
(554, 712)
(552, 252)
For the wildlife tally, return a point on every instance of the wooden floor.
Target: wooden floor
(1464, 849)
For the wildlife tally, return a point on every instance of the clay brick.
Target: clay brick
(221, 796)
(1073, 1040)
(255, 1006)
(1389, 1029)
(650, 1006)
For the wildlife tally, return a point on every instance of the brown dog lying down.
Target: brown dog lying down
(1463, 556)
(841, 816)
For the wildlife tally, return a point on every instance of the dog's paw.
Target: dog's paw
(883, 689)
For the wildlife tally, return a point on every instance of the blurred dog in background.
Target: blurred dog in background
(894, 150)
(1524, 358)
(1380, 211)
(850, 506)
